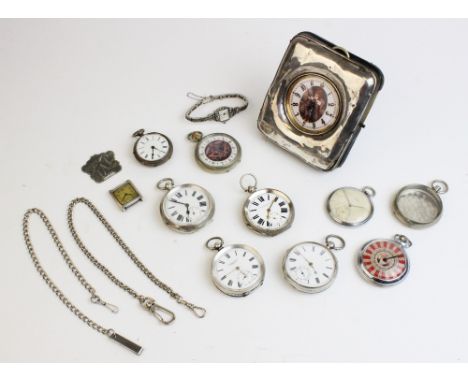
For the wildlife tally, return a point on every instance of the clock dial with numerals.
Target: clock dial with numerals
(218, 152)
(153, 149)
(313, 104)
(310, 267)
(383, 261)
(237, 270)
(187, 207)
(268, 211)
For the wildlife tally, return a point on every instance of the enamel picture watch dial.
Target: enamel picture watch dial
(216, 152)
(351, 206)
(312, 267)
(385, 262)
(187, 207)
(237, 269)
(418, 205)
(313, 104)
(152, 149)
(266, 211)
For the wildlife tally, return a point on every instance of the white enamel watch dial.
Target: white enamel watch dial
(312, 267)
(152, 149)
(237, 269)
(351, 206)
(216, 152)
(385, 262)
(313, 104)
(267, 211)
(187, 207)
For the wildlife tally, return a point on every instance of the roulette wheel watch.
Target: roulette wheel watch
(318, 101)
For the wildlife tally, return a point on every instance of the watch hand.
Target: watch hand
(155, 148)
(309, 263)
(176, 201)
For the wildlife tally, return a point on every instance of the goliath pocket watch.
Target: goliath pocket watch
(237, 269)
(266, 211)
(152, 149)
(216, 152)
(185, 208)
(385, 262)
(318, 101)
(312, 267)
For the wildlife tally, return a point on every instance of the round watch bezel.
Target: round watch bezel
(370, 277)
(218, 169)
(309, 289)
(290, 114)
(262, 231)
(245, 291)
(189, 228)
(157, 162)
(409, 222)
(345, 223)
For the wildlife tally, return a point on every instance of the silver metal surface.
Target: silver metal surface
(188, 228)
(419, 206)
(152, 163)
(245, 291)
(365, 208)
(221, 114)
(137, 349)
(102, 166)
(263, 231)
(356, 81)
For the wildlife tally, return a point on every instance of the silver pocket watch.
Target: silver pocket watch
(266, 211)
(418, 206)
(152, 149)
(385, 262)
(216, 152)
(186, 207)
(237, 269)
(311, 267)
(351, 206)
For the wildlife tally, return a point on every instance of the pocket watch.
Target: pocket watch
(237, 269)
(385, 262)
(216, 152)
(312, 267)
(152, 149)
(186, 207)
(318, 101)
(351, 206)
(266, 211)
(126, 195)
(418, 206)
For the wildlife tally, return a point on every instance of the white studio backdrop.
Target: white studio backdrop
(73, 88)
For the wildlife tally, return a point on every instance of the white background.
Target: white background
(70, 89)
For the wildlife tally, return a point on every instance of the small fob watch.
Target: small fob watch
(185, 208)
(237, 269)
(351, 206)
(418, 205)
(152, 149)
(216, 152)
(318, 101)
(385, 262)
(312, 267)
(266, 211)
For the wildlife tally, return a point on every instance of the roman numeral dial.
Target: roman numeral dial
(313, 104)
(268, 211)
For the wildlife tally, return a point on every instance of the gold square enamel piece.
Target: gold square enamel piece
(126, 195)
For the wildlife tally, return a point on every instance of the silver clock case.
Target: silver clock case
(262, 231)
(153, 163)
(218, 169)
(370, 277)
(423, 189)
(357, 82)
(347, 223)
(189, 228)
(303, 288)
(246, 291)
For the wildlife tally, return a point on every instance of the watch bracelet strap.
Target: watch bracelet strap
(233, 110)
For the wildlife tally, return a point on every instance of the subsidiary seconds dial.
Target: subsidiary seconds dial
(313, 104)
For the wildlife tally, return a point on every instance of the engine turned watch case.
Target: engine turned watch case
(318, 101)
